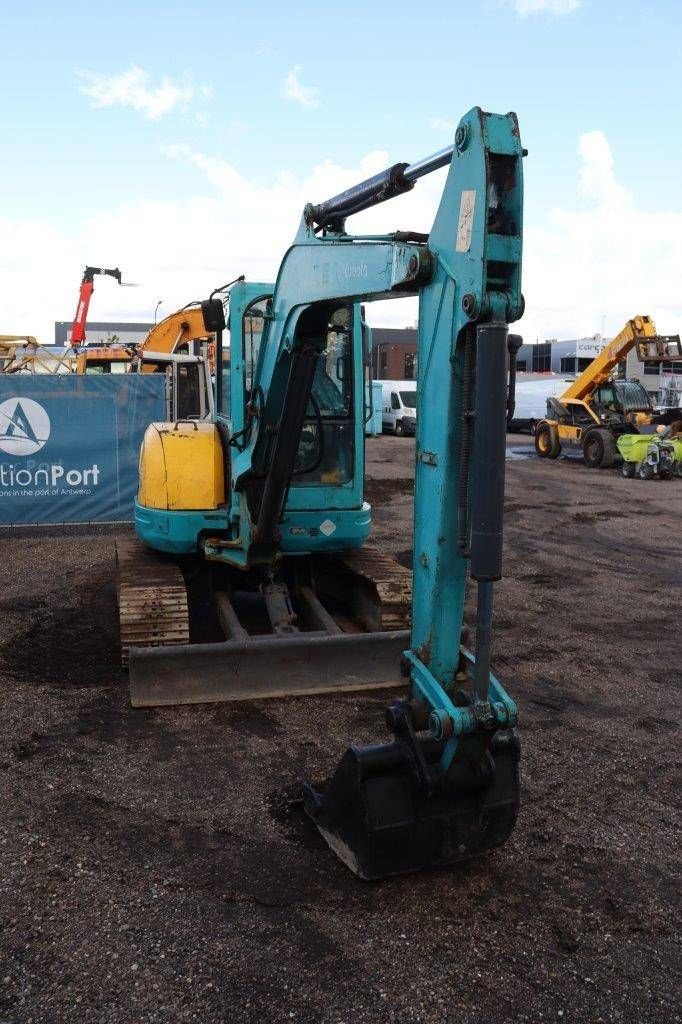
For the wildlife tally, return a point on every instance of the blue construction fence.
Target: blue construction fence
(69, 445)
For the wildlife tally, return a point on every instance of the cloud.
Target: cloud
(599, 254)
(442, 125)
(605, 256)
(132, 88)
(293, 89)
(555, 7)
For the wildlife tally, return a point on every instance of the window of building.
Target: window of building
(408, 371)
(568, 364)
(652, 369)
(542, 358)
(521, 365)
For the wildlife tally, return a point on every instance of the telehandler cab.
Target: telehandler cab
(269, 499)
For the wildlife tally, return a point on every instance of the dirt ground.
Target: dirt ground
(151, 868)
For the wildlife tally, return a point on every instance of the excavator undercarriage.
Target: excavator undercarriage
(321, 624)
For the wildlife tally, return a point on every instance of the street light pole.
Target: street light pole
(157, 308)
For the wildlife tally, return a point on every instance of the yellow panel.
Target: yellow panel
(181, 467)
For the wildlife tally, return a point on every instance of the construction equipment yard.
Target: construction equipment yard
(154, 863)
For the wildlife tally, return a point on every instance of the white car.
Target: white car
(399, 406)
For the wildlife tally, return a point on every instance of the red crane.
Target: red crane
(87, 288)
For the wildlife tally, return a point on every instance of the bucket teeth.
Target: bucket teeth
(380, 820)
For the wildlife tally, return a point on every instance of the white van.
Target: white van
(530, 404)
(399, 406)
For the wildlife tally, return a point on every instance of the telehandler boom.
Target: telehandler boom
(273, 492)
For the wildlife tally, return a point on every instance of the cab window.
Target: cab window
(332, 385)
(326, 449)
(224, 394)
(395, 401)
(253, 327)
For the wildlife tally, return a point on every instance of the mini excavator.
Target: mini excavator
(268, 501)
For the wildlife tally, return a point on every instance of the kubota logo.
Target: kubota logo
(24, 426)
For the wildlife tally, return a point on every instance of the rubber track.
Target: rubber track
(392, 580)
(152, 598)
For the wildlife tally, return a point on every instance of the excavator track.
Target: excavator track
(152, 599)
(393, 583)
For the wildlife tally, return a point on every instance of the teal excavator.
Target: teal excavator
(267, 505)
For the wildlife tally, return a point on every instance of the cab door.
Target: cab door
(237, 355)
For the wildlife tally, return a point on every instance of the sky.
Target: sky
(180, 142)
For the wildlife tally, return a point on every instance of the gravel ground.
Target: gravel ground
(152, 868)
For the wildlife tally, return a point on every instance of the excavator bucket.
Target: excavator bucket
(381, 818)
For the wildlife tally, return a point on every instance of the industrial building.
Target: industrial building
(394, 353)
(104, 332)
(554, 356)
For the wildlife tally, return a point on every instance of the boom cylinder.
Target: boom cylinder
(383, 186)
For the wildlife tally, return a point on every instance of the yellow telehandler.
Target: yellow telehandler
(596, 409)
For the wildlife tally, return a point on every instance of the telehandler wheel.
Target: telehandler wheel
(599, 449)
(646, 471)
(547, 443)
(628, 469)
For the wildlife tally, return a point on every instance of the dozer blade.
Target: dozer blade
(271, 666)
(380, 820)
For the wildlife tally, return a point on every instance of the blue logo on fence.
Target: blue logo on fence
(24, 426)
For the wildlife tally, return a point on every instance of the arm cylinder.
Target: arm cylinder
(490, 438)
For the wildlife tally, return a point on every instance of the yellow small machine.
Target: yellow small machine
(596, 409)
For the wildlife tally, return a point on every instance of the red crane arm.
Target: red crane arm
(80, 320)
(85, 294)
